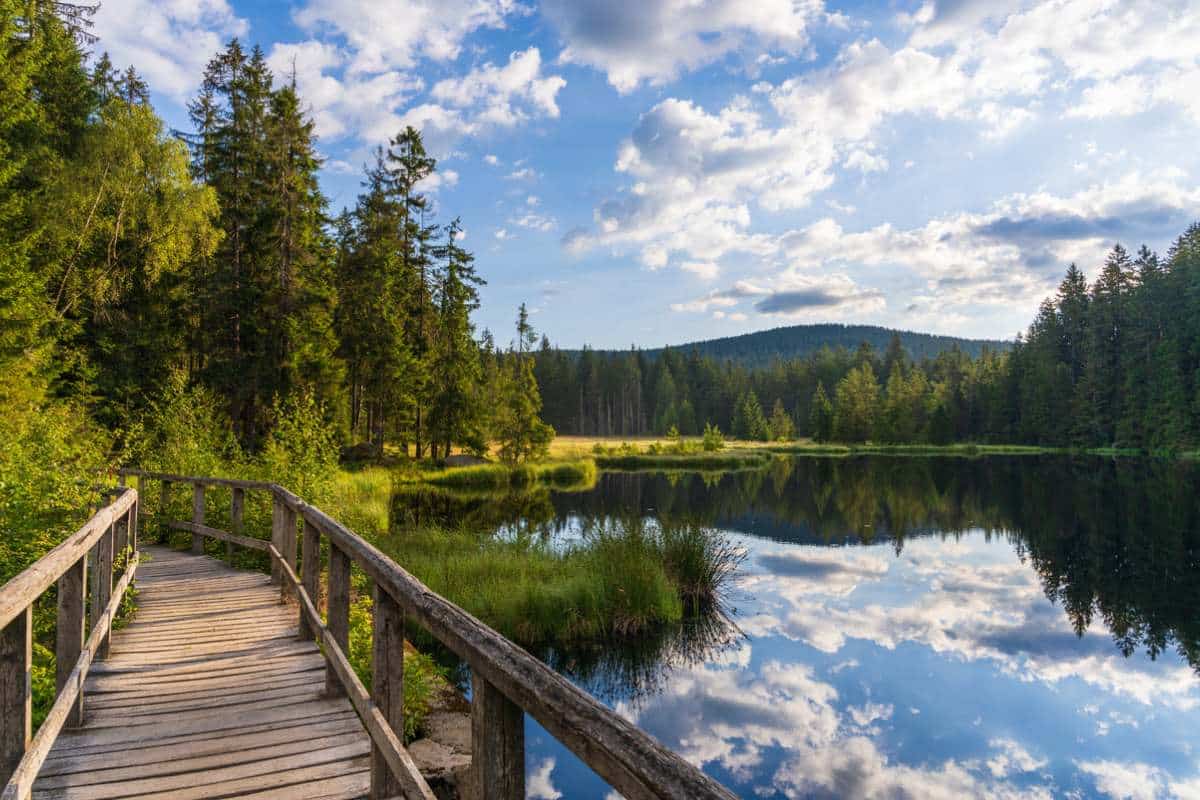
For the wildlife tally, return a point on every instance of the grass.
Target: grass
(577, 473)
(620, 582)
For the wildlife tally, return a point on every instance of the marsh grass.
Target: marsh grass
(619, 582)
(574, 473)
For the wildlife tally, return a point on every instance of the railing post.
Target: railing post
(16, 696)
(288, 549)
(236, 508)
(71, 632)
(387, 685)
(198, 517)
(102, 585)
(277, 537)
(337, 611)
(310, 573)
(164, 508)
(134, 519)
(120, 535)
(497, 744)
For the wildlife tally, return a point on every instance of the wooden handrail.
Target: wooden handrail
(506, 679)
(111, 532)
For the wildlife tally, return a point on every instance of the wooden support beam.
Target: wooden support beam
(277, 508)
(164, 507)
(310, 564)
(16, 696)
(71, 629)
(497, 744)
(338, 611)
(288, 549)
(198, 517)
(236, 510)
(387, 686)
(224, 536)
(103, 584)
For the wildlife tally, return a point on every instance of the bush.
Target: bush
(713, 440)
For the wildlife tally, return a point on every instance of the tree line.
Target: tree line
(1111, 363)
(141, 267)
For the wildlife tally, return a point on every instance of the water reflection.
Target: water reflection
(911, 627)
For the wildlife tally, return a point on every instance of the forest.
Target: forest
(188, 299)
(1112, 364)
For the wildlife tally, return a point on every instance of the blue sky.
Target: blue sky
(661, 171)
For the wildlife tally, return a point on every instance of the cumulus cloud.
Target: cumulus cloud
(655, 41)
(1012, 254)
(383, 36)
(504, 95)
(168, 42)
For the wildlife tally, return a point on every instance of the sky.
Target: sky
(654, 172)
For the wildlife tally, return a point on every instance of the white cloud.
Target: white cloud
(656, 41)
(169, 42)
(539, 786)
(358, 105)
(1010, 256)
(491, 160)
(1011, 757)
(503, 96)
(704, 270)
(384, 36)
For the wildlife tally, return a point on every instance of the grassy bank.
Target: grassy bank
(567, 473)
(618, 583)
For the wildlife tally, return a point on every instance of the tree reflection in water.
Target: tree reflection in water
(1115, 540)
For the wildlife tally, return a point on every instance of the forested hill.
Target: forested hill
(797, 341)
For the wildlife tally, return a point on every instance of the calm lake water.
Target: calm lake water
(904, 627)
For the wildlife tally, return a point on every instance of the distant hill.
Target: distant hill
(760, 348)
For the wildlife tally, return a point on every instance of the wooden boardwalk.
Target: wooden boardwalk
(209, 693)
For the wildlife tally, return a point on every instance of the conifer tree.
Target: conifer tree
(520, 433)
(458, 396)
(856, 404)
(820, 421)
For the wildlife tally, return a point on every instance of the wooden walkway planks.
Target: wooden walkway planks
(208, 693)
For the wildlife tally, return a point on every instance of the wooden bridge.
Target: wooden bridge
(220, 687)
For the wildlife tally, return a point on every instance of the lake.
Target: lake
(909, 627)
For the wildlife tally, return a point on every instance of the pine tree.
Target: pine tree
(457, 399)
(856, 404)
(820, 420)
(520, 433)
(782, 428)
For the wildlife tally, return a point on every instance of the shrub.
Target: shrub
(713, 440)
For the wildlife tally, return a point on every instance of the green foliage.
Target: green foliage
(301, 452)
(820, 421)
(714, 442)
(780, 425)
(855, 405)
(518, 429)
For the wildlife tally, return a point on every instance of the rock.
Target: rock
(444, 769)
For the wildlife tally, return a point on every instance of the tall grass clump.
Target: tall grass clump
(620, 581)
(579, 472)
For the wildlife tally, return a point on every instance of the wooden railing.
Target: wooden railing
(110, 535)
(506, 681)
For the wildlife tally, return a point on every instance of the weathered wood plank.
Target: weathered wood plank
(225, 536)
(16, 717)
(311, 569)
(70, 629)
(20, 592)
(198, 517)
(102, 585)
(497, 744)
(387, 685)
(190, 707)
(337, 611)
(237, 507)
